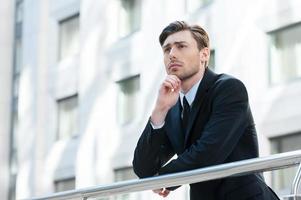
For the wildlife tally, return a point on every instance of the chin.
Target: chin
(179, 75)
(174, 73)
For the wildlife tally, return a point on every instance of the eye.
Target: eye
(181, 46)
(166, 50)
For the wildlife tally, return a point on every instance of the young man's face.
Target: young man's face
(182, 56)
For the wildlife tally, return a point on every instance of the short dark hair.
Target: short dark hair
(198, 33)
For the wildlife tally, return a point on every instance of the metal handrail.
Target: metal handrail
(239, 168)
(296, 182)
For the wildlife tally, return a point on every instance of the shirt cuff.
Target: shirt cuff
(157, 126)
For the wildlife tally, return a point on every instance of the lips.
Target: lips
(174, 65)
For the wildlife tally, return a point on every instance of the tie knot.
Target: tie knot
(185, 104)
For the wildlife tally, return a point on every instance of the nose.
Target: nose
(172, 53)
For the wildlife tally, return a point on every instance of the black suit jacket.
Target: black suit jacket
(220, 130)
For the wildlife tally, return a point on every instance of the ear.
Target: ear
(205, 54)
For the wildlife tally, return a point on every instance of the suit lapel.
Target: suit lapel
(174, 130)
(206, 82)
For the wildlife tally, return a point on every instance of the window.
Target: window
(193, 5)
(285, 60)
(129, 16)
(19, 19)
(12, 188)
(283, 179)
(123, 174)
(63, 185)
(18, 55)
(19, 11)
(127, 99)
(17, 66)
(69, 37)
(67, 117)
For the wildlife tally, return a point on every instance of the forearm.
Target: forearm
(158, 115)
(152, 151)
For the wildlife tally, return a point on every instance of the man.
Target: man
(202, 117)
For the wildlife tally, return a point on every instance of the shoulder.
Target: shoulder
(228, 82)
(228, 87)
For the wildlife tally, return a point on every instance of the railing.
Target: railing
(238, 168)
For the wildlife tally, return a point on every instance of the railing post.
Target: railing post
(295, 186)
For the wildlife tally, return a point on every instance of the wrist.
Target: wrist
(158, 116)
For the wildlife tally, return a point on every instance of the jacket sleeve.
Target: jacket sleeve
(222, 132)
(153, 150)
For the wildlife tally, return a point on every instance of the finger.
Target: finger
(175, 78)
(172, 86)
(175, 84)
(168, 85)
(157, 191)
(164, 193)
(172, 83)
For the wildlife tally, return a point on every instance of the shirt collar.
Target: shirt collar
(190, 95)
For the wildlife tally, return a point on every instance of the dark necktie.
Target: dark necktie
(186, 111)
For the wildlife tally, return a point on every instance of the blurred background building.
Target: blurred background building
(78, 80)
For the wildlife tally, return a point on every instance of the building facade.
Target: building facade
(6, 66)
(79, 79)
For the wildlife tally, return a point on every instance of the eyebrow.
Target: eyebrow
(178, 42)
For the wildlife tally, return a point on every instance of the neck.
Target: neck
(187, 84)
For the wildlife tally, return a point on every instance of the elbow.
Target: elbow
(141, 169)
(136, 169)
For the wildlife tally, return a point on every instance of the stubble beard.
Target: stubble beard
(186, 74)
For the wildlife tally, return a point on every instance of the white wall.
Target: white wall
(6, 50)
